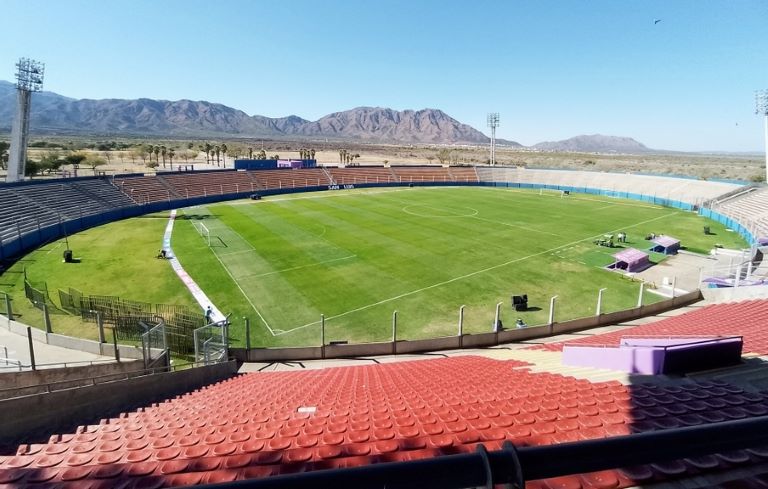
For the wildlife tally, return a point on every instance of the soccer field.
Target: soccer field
(357, 256)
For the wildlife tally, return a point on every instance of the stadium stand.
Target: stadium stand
(274, 423)
(362, 174)
(462, 173)
(744, 318)
(421, 174)
(749, 208)
(290, 178)
(145, 189)
(691, 191)
(27, 207)
(199, 184)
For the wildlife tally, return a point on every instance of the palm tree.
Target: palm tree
(171, 154)
(250, 153)
(207, 148)
(157, 152)
(311, 154)
(150, 150)
(224, 152)
(163, 151)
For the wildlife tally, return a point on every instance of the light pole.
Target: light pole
(761, 108)
(29, 78)
(493, 123)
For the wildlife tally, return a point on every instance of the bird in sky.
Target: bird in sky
(656, 21)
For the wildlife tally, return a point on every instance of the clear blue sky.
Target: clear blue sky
(552, 69)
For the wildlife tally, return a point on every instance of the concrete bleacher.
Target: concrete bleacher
(29, 207)
(145, 189)
(272, 423)
(421, 174)
(690, 191)
(199, 184)
(750, 209)
(290, 178)
(362, 174)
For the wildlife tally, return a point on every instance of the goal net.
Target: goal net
(204, 232)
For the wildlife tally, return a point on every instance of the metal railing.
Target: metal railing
(61, 385)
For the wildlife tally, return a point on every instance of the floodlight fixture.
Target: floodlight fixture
(493, 123)
(29, 75)
(761, 108)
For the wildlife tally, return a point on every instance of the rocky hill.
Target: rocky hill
(186, 118)
(595, 143)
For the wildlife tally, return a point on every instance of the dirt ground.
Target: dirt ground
(735, 167)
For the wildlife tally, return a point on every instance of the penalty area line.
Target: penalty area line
(471, 274)
(299, 267)
(271, 331)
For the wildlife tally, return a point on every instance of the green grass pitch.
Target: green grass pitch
(358, 255)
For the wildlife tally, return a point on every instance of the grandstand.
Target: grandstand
(280, 423)
(749, 207)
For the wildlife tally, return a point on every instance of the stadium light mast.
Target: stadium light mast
(493, 123)
(29, 78)
(761, 108)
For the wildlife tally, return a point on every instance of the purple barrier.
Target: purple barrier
(650, 356)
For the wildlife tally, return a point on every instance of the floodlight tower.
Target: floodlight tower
(761, 108)
(493, 123)
(29, 78)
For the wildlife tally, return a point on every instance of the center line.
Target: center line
(471, 274)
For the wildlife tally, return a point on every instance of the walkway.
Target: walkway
(17, 346)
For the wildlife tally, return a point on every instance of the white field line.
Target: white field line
(237, 252)
(471, 274)
(52, 249)
(226, 269)
(604, 207)
(298, 268)
(323, 195)
(271, 331)
(513, 225)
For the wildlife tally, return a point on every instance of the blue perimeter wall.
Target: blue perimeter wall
(31, 240)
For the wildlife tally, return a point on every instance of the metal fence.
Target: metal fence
(130, 318)
(211, 343)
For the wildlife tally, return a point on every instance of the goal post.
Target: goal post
(204, 232)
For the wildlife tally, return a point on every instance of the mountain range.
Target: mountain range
(52, 113)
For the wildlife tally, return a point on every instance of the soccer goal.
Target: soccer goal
(204, 232)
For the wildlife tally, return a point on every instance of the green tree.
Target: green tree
(4, 147)
(171, 154)
(150, 149)
(51, 161)
(163, 152)
(443, 155)
(31, 168)
(224, 153)
(217, 151)
(94, 161)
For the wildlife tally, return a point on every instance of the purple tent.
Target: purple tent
(630, 260)
(665, 244)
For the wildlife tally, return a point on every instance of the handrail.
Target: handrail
(94, 380)
(515, 465)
